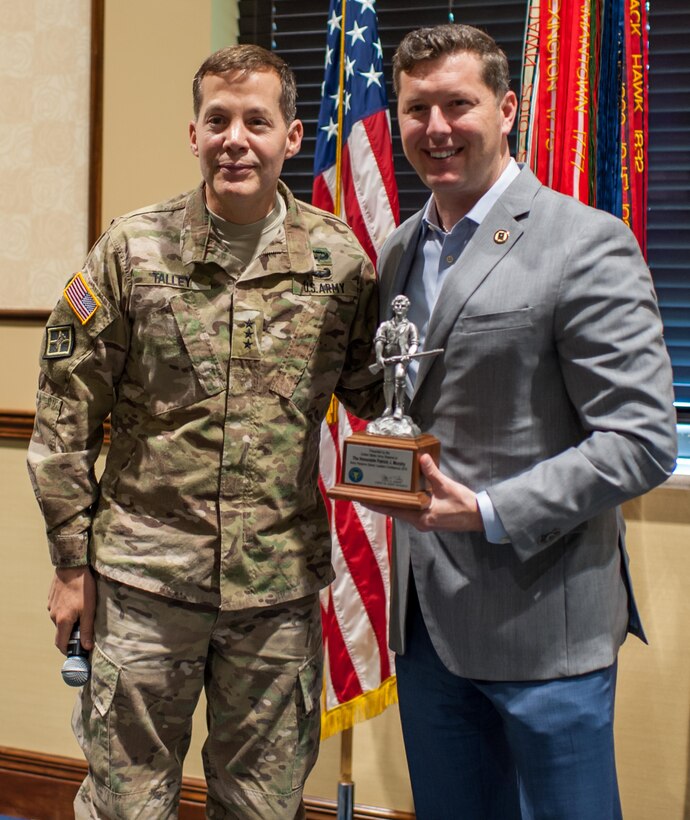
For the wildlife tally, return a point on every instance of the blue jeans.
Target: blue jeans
(487, 750)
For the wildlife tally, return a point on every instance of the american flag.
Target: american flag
(369, 196)
(81, 298)
(358, 184)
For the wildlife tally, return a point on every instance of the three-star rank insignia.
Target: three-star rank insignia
(247, 329)
(59, 342)
(249, 334)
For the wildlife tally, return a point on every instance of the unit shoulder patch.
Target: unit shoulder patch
(59, 342)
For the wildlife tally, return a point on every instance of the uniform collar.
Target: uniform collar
(199, 241)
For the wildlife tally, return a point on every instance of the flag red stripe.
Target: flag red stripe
(361, 562)
(365, 573)
(341, 670)
(321, 196)
(354, 215)
(378, 131)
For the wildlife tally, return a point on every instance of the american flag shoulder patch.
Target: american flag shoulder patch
(81, 298)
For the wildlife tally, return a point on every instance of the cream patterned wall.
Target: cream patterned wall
(44, 147)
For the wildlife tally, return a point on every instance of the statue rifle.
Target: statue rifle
(376, 367)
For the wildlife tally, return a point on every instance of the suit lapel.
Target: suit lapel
(400, 261)
(493, 240)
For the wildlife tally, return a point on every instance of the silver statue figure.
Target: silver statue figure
(396, 343)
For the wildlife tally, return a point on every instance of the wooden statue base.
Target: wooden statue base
(384, 470)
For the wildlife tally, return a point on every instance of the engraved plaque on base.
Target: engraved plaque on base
(385, 470)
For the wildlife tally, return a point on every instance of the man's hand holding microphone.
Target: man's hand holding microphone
(72, 605)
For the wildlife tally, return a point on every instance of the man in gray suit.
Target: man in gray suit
(553, 404)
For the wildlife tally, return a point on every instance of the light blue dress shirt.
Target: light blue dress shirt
(437, 251)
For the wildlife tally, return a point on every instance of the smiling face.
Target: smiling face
(241, 139)
(454, 130)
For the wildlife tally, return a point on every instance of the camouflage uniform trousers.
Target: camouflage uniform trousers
(261, 669)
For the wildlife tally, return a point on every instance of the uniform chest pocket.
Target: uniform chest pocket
(313, 359)
(172, 358)
(303, 338)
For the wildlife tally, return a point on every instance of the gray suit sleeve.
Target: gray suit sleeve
(616, 371)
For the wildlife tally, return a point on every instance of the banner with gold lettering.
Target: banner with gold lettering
(635, 92)
(583, 118)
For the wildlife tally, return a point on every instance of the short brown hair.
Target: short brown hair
(432, 42)
(246, 59)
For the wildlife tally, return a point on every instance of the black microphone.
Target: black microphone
(76, 669)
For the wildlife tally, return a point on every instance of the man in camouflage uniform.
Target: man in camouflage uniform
(213, 329)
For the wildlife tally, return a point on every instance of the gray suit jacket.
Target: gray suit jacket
(554, 395)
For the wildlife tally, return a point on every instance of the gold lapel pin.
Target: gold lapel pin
(501, 237)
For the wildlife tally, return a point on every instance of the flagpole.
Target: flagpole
(341, 97)
(332, 415)
(346, 787)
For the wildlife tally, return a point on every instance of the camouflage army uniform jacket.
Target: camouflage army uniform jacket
(216, 378)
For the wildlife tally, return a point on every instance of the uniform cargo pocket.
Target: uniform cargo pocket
(47, 413)
(92, 724)
(104, 677)
(308, 719)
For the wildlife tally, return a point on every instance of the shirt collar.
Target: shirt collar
(481, 208)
